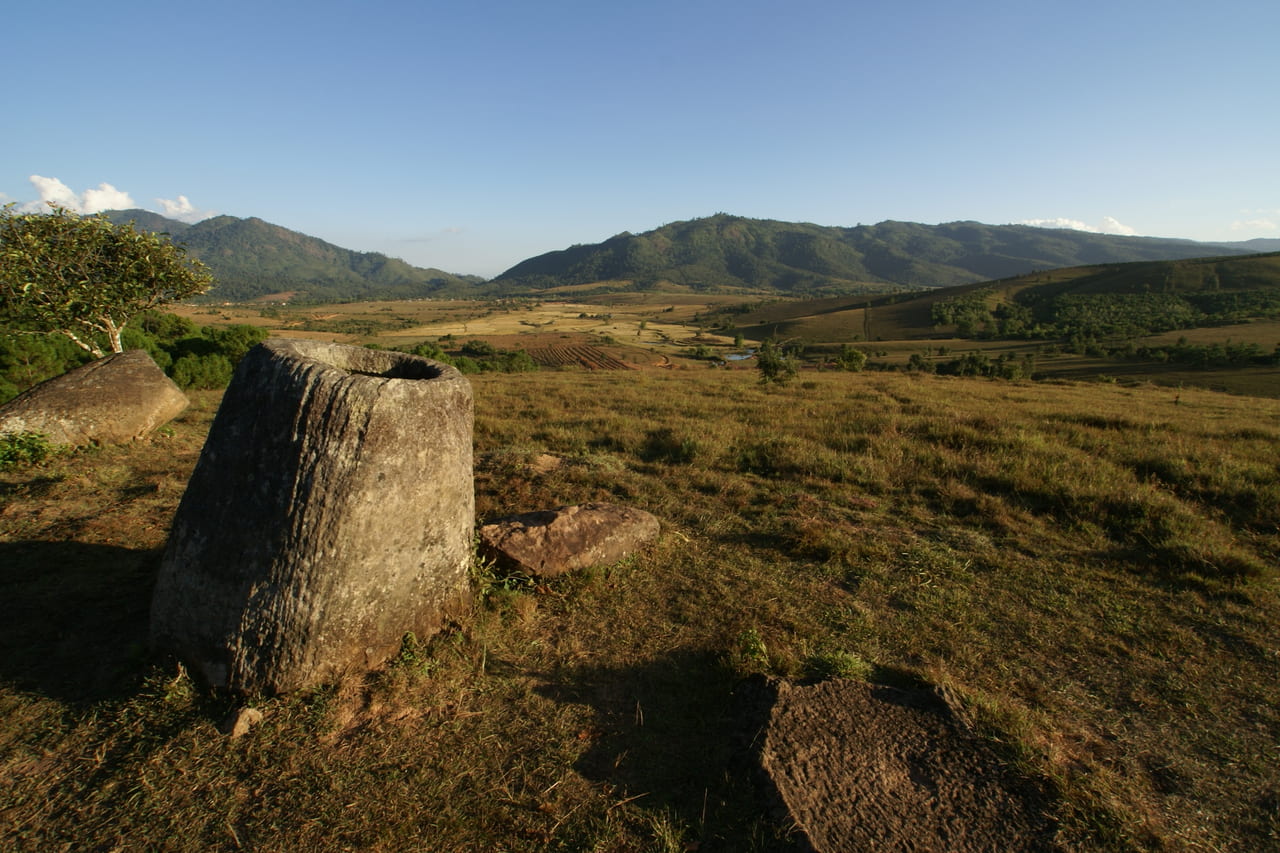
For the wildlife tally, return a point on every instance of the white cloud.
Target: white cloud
(52, 192)
(1073, 224)
(1109, 225)
(183, 210)
(55, 192)
(103, 197)
(1257, 225)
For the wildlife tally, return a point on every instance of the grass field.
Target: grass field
(657, 320)
(1090, 569)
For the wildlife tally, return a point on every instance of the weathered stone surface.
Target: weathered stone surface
(552, 542)
(868, 767)
(331, 512)
(109, 401)
(240, 722)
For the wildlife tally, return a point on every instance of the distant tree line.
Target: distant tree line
(1099, 315)
(475, 356)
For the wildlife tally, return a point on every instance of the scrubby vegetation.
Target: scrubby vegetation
(194, 357)
(1119, 302)
(25, 448)
(476, 356)
(1089, 570)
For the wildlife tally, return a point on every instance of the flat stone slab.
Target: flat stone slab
(552, 542)
(109, 401)
(859, 766)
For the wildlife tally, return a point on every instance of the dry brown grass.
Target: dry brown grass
(1090, 569)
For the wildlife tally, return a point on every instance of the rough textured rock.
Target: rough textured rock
(866, 767)
(109, 401)
(331, 512)
(553, 542)
(240, 722)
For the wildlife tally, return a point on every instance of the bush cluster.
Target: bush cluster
(1097, 315)
(476, 357)
(24, 448)
(193, 357)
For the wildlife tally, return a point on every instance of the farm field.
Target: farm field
(1088, 570)
(648, 320)
(659, 331)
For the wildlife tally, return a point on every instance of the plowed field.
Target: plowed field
(584, 356)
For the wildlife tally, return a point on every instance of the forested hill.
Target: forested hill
(725, 252)
(251, 258)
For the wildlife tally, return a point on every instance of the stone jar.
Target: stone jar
(331, 512)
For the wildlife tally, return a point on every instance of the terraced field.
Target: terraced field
(581, 355)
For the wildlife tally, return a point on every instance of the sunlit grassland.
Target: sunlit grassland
(658, 320)
(1090, 571)
(1092, 568)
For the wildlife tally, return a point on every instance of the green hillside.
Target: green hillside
(1101, 300)
(251, 258)
(730, 253)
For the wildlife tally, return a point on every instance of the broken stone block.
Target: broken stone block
(109, 401)
(552, 542)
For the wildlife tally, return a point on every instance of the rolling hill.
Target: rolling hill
(251, 258)
(731, 253)
(1102, 299)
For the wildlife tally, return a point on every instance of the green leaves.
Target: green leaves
(775, 363)
(85, 276)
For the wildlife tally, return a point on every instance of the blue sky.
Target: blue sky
(472, 135)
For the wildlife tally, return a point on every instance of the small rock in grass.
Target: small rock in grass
(239, 723)
(552, 542)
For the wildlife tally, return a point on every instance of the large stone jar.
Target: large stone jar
(330, 513)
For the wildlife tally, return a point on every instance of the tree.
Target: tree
(851, 358)
(774, 364)
(85, 276)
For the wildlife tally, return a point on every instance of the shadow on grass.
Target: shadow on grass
(75, 625)
(677, 737)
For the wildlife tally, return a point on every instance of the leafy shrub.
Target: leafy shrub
(479, 357)
(851, 358)
(775, 364)
(430, 350)
(517, 361)
(479, 349)
(752, 650)
(202, 371)
(27, 360)
(24, 448)
(233, 341)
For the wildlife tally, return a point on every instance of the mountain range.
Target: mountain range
(252, 259)
(725, 252)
